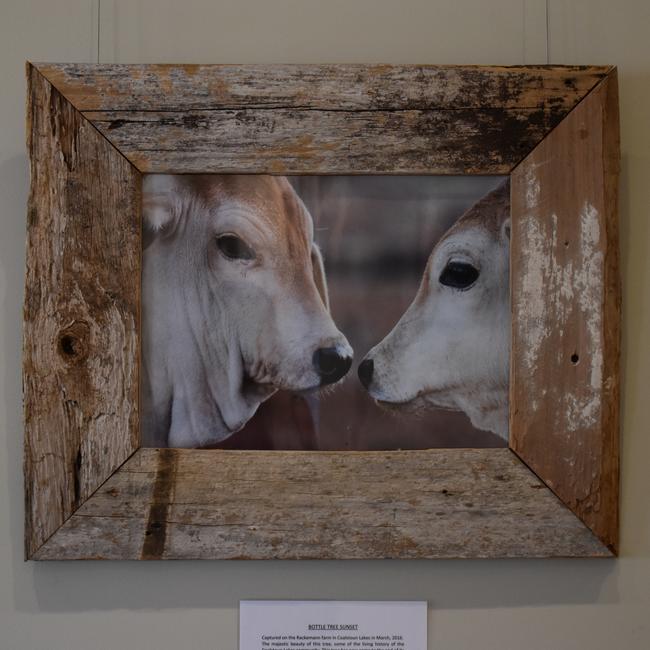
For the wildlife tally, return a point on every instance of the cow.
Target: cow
(451, 348)
(234, 305)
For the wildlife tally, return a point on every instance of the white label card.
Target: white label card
(332, 625)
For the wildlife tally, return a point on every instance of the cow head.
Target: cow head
(450, 349)
(235, 302)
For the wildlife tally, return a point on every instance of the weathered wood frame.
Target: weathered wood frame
(91, 492)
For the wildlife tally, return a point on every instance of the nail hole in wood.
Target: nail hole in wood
(574, 358)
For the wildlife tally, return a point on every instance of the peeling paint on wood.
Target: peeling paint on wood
(82, 312)
(566, 311)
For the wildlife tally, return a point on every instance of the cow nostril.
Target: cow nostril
(330, 365)
(365, 370)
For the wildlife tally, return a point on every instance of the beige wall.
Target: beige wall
(488, 605)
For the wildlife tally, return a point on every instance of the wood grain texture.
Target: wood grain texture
(323, 119)
(118, 87)
(186, 504)
(566, 311)
(296, 141)
(81, 313)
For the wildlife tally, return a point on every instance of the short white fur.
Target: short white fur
(451, 348)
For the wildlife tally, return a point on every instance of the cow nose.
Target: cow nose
(365, 370)
(330, 365)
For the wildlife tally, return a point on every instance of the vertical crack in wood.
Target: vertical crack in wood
(155, 535)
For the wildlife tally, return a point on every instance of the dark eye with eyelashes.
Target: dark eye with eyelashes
(459, 275)
(235, 248)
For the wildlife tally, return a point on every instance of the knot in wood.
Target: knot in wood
(72, 342)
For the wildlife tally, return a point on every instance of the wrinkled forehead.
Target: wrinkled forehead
(268, 202)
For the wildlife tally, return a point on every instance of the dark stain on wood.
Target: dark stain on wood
(321, 87)
(116, 124)
(300, 140)
(81, 410)
(155, 534)
(78, 463)
(402, 119)
(322, 505)
(64, 124)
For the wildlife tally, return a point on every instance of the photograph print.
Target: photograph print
(325, 312)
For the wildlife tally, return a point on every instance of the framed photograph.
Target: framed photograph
(321, 311)
(258, 292)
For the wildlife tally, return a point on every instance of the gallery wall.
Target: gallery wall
(533, 605)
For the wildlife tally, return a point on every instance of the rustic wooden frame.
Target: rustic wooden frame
(92, 493)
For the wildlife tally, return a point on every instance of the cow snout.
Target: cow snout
(330, 364)
(365, 370)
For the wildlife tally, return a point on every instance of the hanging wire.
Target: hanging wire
(99, 18)
(548, 51)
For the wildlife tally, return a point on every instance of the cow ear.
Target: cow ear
(159, 197)
(319, 275)
(505, 229)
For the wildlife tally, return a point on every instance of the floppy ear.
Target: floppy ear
(319, 275)
(159, 198)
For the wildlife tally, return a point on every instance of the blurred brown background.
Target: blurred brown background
(375, 233)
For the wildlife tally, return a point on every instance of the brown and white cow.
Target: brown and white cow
(234, 305)
(451, 347)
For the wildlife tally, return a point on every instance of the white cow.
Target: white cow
(234, 305)
(451, 348)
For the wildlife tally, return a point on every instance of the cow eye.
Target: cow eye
(459, 275)
(235, 248)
